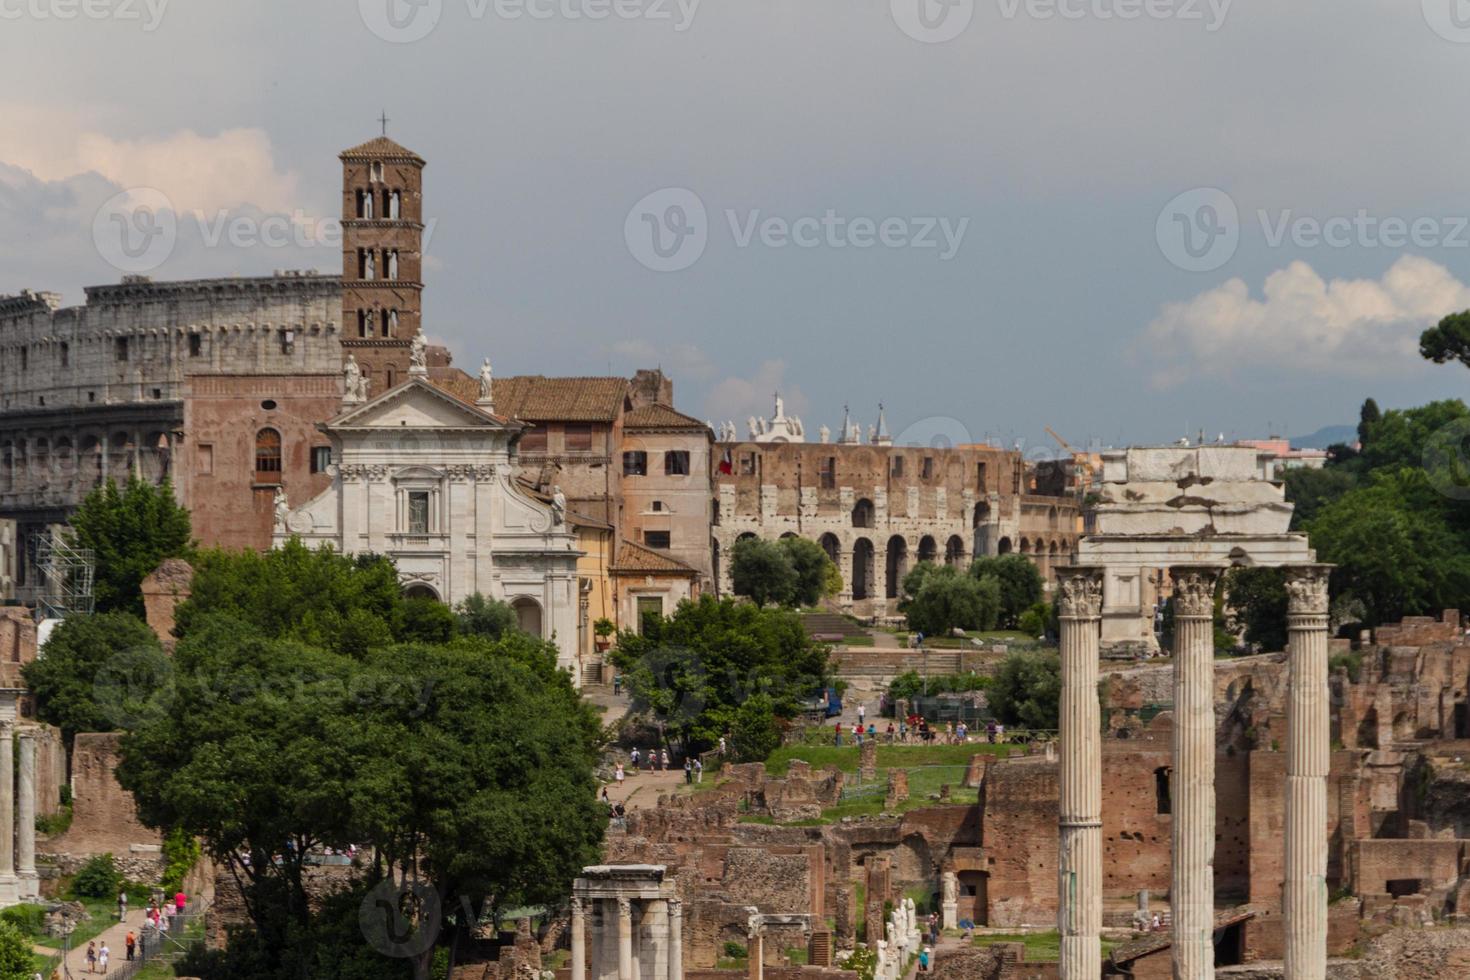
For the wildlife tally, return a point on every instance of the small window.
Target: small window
(65, 354)
(157, 394)
(656, 539)
(979, 476)
(533, 440)
(24, 358)
(895, 467)
(120, 348)
(418, 512)
(747, 464)
(657, 507)
(364, 324)
(676, 462)
(635, 463)
(375, 171)
(269, 405)
(828, 472)
(578, 437)
(1163, 800)
(196, 345)
(650, 609)
(926, 469)
(204, 457)
(321, 458)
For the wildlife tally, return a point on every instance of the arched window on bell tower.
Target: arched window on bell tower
(364, 324)
(375, 171)
(364, 204)
(392, 264)
(392, 330)
(395, 206)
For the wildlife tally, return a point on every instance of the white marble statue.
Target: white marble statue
(486, 380)
(558, 506)
(283, 509)
(418, 360)
(351, 380)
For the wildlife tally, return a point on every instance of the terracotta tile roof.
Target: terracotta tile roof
(538, 399)
(380, 148)
(645, 561)
(455, 382)
(660, 417)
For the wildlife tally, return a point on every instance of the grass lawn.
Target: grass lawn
(103, 916)
(1040, 946)
(155, 971)
(848, 757)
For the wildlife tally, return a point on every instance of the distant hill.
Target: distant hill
(1325, 437)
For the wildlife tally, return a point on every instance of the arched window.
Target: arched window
(267, 456)
(862, 513)
(392, 330)
(392, 264)
(364, 324)
(395, 206)
(392, 376)
(375, 171)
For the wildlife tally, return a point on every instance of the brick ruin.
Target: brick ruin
(1398, 818)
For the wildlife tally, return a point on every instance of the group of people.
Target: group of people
(915, 730)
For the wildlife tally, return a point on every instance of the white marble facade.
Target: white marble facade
(429, 480)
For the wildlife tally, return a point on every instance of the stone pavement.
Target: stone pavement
(76, 961)
(640, 791)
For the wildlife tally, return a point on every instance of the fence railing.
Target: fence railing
(185, 932)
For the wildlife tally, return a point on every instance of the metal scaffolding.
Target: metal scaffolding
(66, 574)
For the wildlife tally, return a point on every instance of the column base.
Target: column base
(950, 915)
(9, 890)
(29, 886)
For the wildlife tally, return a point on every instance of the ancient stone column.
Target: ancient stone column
(26, 816)
(756, 953)
(579, 939)
(1308, 738)
(625, 940)
(1192, 891)
(9, 888)
(676, 939)
(1079, 861)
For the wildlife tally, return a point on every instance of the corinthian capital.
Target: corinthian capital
(1306, 589)
(1079, 592)
(1194, 590)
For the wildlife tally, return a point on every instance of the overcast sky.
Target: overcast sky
(974, 211)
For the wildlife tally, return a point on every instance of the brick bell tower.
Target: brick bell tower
(382, 258)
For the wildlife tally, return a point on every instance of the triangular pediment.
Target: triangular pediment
(417, 404)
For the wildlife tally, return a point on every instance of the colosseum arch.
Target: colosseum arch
(862, 569)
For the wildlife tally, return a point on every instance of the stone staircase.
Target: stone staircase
(830, 626)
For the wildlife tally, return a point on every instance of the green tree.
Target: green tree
(1027, 690)
(692, 671)
(15, 954)
(1368, 416)
(96, 673)
(814, 571)
(1019, 582)
(1401, 436)
(468, 766)
(1309, 490)
(490, 618)
(1258, 596)
(347, 604)
(1447, 341)
(130, 531)
(762, 570)
(424, 620)
(756, 731)
(1395, 548)
(949, 600)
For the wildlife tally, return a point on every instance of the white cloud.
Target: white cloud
(686, 361)
(736, 399)
(1347, 327)
(197, 172)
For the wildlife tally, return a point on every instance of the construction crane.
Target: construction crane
(1081, 460)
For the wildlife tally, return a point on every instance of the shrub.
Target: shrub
(180, 854)
(756, 731)
(98, 878)
(735, 951)
(28, 918)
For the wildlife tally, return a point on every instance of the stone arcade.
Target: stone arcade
(627, 924)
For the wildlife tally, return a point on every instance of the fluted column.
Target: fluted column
(579, 939)
(1308, 737)
(1192, 895)
(1079, 859)
(676, 939)
(625, 939)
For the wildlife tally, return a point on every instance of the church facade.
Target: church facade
(429, 479)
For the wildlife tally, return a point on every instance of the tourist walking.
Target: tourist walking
(698, 770)
(102, 956)
(664, 762)
(617, 684)
(924, 961)
(180, 900)
(91, 957)
(618, 775)
(633, 758)
(688, 771)
(836, 738)
(122, 904)
(130, 944)
(862, 713)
